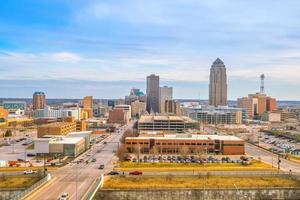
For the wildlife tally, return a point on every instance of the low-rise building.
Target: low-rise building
(67, 146)
(278, 115)
(57, 128)
(218, 115)
(186, 144)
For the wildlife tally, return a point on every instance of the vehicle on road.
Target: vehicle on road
(64, 196)
(135, 173)
(29, 172)
(112, 173)
(101, 167)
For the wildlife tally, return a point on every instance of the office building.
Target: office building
(278, 115)
(118, 116)
(126, 108)
(256, 104)
(49, 112)
(14, 105)
(165, 93)
(166, 123)
(153, 93)
(170, 107)
(100, 110)
(191, 144)
(39, 100)
(57, 128)
(111, 103)
(218, 84)
(138, 108)
(135, 95)
(218, 115)
(87, 104)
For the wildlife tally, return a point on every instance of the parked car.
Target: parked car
(113, 173)
(64, 196)
(94, 160)
(135, 173)
(29, 172)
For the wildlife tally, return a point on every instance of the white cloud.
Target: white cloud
(65, 57)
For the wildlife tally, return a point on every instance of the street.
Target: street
(270, 158)
(75, 179)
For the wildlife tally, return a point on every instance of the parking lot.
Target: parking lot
(190, 159)
(278, 144)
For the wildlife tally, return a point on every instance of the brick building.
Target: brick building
(192, 144)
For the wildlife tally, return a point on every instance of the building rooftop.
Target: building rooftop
(190, 137)
(150, 119)
(218, 61)
(60, 140)
(56, 124)
(38, 93)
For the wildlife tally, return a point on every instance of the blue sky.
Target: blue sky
(72, 48)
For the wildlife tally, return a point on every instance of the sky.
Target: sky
(73, 48)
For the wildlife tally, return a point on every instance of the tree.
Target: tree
(122, 152)
(8, 133)
(128, 133)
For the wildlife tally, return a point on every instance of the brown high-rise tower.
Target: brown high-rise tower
(38, 100)
(153, 93)
(218, 84)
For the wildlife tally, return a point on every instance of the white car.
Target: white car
(29, 172)
(64, 196)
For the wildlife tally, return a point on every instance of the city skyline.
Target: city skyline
(100, 46)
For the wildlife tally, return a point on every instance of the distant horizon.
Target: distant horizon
(180, 99)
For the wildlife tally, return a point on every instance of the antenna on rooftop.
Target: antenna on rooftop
(262, 83)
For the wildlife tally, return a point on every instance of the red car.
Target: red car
(135, 173)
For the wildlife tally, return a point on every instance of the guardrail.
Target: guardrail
(89, 195)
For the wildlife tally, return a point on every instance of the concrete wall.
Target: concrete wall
(198, 194)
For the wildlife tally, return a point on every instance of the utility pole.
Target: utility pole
(279, 161)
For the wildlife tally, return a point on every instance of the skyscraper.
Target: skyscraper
(153, 93)
(38, 100)
(165, 93)
(218, 84)
(88, 105)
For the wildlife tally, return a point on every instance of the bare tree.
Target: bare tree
(122, 152)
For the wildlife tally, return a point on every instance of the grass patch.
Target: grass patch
(17, 181)
(197, 182)
(169, 167)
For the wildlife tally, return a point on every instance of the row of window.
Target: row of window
(163, 143)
